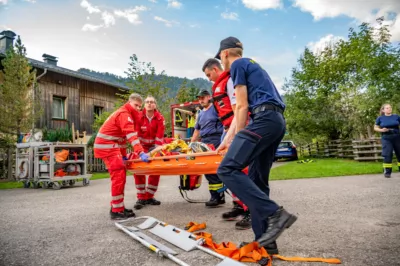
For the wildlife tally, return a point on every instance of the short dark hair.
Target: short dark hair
(211, 63)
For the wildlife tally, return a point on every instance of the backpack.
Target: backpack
(187, 183)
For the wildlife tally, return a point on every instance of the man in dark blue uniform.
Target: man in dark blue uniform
(255, 144)
(210, 129)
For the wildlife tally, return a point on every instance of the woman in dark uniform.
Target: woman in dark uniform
(388, 124)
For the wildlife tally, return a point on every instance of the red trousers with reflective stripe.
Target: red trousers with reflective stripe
(146, 192)
(117, 170)
(236, 199)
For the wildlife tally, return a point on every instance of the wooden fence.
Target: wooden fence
(359, 150)
(94, 164)
(7, 163)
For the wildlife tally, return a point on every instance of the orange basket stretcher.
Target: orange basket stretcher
(183, 164)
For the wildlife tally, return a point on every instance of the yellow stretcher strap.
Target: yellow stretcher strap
(248, 253)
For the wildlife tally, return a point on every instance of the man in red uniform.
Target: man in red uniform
(151, 128)
(225, 103)
(110, 145)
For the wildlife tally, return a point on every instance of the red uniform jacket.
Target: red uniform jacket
(116, 131)
(151, 131)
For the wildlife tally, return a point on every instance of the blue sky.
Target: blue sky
(179, 35)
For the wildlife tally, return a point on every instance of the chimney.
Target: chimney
(6, 40)
(49, 59)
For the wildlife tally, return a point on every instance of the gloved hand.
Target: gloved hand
(144, 157)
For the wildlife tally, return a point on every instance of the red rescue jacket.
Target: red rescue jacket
(222, 103)
(151, 131)
(116, 131)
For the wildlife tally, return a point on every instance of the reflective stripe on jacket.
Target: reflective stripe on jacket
(117, 130)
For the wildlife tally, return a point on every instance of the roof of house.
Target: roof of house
(72, 73)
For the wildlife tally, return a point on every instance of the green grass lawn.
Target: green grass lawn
(291, 170)
(324, 168)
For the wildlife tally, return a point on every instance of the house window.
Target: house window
(98, 110)
(58, 107)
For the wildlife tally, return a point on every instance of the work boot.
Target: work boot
(387, 172)
(216, 199)
(277, 222)
(245, 223)
(122, 215)
(153, 201)
(272, 248)
(140, 204)
(236, 211)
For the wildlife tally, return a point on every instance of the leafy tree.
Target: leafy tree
(19, 108)
(142, 79)
(337, 93)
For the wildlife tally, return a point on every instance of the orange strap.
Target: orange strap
(192, 226)
(248, 253)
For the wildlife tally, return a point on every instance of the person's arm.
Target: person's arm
(242, 107)
(160, 132)
(377, 127)
(128, 128)
(238, 73)
(195, 136)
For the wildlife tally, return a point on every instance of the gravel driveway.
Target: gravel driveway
(356, 219)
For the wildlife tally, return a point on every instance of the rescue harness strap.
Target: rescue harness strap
(248, 253)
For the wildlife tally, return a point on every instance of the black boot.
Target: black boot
(387, 172)
(277, 222)
(216, 199)
(153, 201)
(122, 215)
(140, 204)
(272, 248)
(245, 223)
(236, 211)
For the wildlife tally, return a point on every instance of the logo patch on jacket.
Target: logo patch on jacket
(144, 128)
(218, 89)
(130, 119)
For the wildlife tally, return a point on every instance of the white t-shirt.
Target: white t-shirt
(230, 90)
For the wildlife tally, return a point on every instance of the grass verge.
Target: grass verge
(291, 170)
(324, 168)
(14, 184)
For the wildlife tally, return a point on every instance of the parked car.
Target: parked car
(286, 149)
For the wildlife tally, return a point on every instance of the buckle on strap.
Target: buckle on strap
(264, 107)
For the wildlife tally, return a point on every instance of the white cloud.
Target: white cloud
(153, 1)
(319, 46)
(108, 19)
(194, 25)
(231, 15)
(174, 4)
(88, 18)
(365, 11)
(262, 4)
(91, 9)
(255, 29)
(168, 23)
(4, 2)
(91, 27)
(30, 1)
(131, 14)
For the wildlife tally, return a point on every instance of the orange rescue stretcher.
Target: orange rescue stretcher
(182, 164)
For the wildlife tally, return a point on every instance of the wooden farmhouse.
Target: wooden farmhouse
(67, 96)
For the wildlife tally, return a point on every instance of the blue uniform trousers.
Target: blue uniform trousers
(213, 179)
(390, 143)
(254, 146)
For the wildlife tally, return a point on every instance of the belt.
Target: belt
(264, 107)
